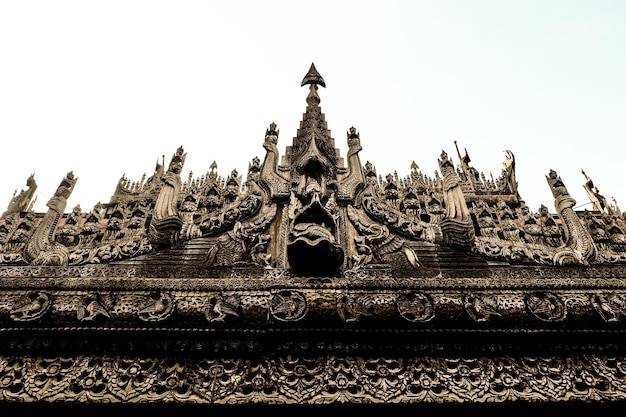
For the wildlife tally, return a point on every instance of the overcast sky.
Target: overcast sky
(105, 88)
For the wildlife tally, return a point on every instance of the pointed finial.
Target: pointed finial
(313, 77)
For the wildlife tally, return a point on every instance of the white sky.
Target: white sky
(105, 88)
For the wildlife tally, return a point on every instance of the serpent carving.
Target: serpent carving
(579, 243)
(42, 249)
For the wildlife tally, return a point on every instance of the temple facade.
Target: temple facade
(313, 281)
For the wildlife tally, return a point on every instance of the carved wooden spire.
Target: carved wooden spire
(313, 127)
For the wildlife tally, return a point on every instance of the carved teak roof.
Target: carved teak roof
(354, 202)
(314, 254)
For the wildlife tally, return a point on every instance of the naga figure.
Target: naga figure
(579, 243)
(42, 248)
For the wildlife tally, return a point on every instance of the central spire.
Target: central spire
(313, 127)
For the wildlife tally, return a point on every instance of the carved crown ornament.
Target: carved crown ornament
(276, 286)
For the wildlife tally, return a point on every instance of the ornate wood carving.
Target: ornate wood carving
(310, 282)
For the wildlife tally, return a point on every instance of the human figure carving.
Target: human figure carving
(599, 202)
(508, 172)
(167, 202)
(22, 202)
(166, 224)
(456, 208)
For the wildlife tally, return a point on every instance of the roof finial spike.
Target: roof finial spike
(313, 77)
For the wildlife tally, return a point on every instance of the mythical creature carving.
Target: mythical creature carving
(249, 241)
(312, 242)
(377, 241)
(546, 306)
(220, 308)
(31, 306)
(42, 248)
(156, 307)
(416, 307)
(288, 306)
(93, 306)
(580, 247)
(22, 202)
(273, 181)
